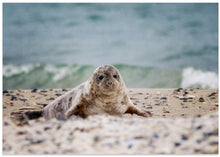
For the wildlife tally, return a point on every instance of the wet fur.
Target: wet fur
(95, 96)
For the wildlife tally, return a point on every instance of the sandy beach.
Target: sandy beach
(184, 121)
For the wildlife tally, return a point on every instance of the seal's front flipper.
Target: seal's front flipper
(78, 109)
(135, 110)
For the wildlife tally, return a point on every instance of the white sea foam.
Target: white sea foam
(60, 72)
(192, 78)
(10, 70)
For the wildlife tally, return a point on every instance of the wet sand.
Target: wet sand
(184, 121)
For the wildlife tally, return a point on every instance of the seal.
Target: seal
(103, 93)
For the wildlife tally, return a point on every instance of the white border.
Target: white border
(1, 72)
(109, 1)
(86, 1)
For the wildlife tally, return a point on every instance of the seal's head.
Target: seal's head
(107, 78)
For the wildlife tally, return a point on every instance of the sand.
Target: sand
(184, 121)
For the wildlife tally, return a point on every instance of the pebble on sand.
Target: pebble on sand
(5, 91)
(34, 90)
(201, 99)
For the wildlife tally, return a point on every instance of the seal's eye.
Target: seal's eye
(115, 76)
(101, 77)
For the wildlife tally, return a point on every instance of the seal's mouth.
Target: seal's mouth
(109, 87)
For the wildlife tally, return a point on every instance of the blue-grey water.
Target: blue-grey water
(153, 45)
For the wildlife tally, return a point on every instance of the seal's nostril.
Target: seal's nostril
(109, 83)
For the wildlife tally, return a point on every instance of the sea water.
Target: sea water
(153, 45)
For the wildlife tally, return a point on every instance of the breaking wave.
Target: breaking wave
(198, 78)
(68, 76)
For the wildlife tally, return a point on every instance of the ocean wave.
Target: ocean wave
(60, 72)
(68, 76)
(44, 75)
(198, 78)
(10, 70)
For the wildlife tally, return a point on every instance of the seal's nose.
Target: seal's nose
(109, 83)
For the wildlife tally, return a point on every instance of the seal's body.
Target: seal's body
(104, 92)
